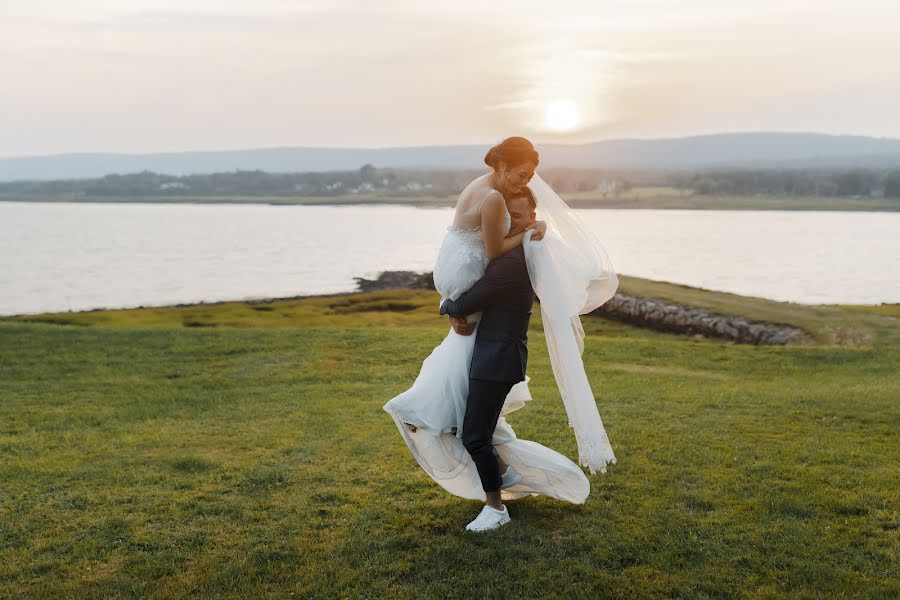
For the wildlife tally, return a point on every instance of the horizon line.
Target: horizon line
(459, 145)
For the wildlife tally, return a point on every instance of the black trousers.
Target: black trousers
(483, 407)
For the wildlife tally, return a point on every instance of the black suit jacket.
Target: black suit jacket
(506, 297)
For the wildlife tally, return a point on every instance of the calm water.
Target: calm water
(56, 257)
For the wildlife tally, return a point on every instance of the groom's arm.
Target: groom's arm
(487, 291)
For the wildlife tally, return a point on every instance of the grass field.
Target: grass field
(240, 451)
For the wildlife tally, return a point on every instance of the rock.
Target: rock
(392, 280)
(677, 318)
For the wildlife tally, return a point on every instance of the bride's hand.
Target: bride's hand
(461, 326)
(540, 228)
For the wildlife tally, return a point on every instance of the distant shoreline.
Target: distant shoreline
(581, 200)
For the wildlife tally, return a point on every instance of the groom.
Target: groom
(505, 296)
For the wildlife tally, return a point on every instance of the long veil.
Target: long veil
(571, 275)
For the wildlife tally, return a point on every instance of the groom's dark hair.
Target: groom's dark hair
(526, 193)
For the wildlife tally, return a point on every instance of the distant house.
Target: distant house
(606, 187)
(173, 185)
(362, 188)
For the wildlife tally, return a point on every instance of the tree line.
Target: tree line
(393, 182)
(794, 182)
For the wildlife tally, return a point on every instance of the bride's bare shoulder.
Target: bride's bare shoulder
(477, 188)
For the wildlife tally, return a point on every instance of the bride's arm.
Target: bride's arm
(492, 227)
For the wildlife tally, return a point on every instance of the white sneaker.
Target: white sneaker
(510, 478)
(489, 518)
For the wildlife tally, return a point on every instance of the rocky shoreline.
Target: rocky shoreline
(689, 320)
(644, 312)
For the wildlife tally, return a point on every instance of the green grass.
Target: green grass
(239, 450)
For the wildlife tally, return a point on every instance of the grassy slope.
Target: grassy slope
(145, 454)
(845, 325)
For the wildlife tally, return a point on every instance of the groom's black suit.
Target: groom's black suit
(500, 355)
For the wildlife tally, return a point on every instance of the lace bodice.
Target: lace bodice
(462, 258)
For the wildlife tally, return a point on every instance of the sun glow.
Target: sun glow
(563, 115)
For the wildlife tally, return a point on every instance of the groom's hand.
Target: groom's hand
(540, 228)
(461, 326)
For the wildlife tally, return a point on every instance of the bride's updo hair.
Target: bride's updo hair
(512, 151)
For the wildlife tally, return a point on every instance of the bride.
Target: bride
(571, 275)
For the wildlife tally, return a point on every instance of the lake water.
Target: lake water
(61, 256)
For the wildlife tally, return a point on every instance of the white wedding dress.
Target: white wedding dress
(436, 403)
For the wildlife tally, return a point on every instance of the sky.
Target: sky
(159, 76)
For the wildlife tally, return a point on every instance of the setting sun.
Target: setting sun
(562, 115)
